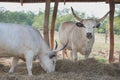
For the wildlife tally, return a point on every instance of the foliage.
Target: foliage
(16, 17)
(103, 27)
(37, 20)
(117, 25)
(102, 60)
(117, 20)
(117, 11)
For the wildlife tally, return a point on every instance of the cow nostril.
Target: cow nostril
(89, 35)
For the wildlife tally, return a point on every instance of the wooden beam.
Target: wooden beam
(112, 9)
(21, 1)
(41, 1)
(53, 24)
(46, 21)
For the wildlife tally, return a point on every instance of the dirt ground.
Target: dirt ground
(89, 69)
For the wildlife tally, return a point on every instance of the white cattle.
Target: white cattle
(25, 42)
(80, 34)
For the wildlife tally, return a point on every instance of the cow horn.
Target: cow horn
(103, 17)
(55, 51)
(79, 19)
(62, 47)
(56, 44)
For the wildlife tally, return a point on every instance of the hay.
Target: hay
(89, 69)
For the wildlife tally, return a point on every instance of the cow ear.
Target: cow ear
(98, 25)
(79, 24)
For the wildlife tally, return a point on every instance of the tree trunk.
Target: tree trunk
(112, 8)
(53, 24)
(46, 22)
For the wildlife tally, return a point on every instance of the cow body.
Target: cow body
(78, 42)
(12, 35)
(25, 42)
(80, 34)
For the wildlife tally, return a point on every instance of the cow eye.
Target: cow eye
(97, 26)
(51, 56)
(78, 24)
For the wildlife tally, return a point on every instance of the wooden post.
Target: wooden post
(53, 24)
(46, 22)
(112, 8)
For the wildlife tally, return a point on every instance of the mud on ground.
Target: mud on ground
(89, 69)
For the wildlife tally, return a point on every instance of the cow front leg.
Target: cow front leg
(74, 53)
(13, 65)
(87, 53)
(29, 58)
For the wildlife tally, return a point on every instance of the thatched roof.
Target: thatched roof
(41, 1)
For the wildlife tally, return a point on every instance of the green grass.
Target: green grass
(101, 49)
(101, 45)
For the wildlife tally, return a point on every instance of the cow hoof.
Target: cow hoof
(10, 73)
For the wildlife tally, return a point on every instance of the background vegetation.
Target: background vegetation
(36, 20)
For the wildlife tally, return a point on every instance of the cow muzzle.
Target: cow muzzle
(89, 35)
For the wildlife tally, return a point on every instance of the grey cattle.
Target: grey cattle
(25, 42)
(80, 34)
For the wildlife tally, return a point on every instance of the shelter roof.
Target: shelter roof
(42, 1)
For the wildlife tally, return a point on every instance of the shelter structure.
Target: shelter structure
(46, 18)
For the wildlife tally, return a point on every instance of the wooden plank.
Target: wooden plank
(46, 22)
(112, 9)
(53, 24)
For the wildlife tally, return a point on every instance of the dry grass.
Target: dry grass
(89, 69)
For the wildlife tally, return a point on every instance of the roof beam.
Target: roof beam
(36, 1)
(42, 1)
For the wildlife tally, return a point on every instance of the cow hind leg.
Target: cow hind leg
(86, 56)
(29, 55)
(71, 56)
(64, 52)
(13, 65)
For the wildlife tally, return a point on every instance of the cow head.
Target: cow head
(48, 60)
(88, 24)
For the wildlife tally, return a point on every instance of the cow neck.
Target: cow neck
(71, 30)
(45, 47)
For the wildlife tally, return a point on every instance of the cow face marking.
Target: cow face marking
(79, 24)
(89, 25)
